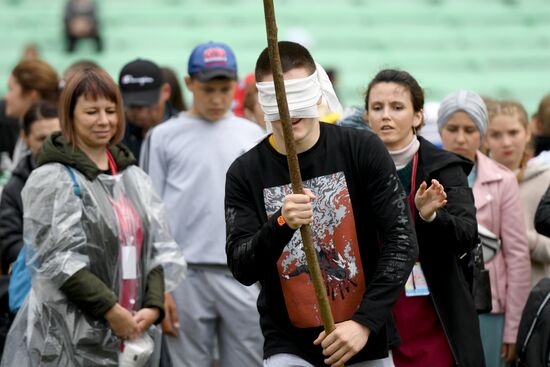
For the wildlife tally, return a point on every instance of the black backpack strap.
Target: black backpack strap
(534, 323)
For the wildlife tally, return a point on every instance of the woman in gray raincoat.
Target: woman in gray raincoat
(96, 239)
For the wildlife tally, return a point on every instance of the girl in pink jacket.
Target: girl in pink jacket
(462, 122)
(508, 140)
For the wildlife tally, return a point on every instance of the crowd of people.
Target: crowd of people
(136, 227)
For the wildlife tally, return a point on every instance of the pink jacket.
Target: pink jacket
(499, 208)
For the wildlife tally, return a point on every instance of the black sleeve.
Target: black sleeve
(89, 293)
(542, 217)
(251, 244)
(455, 224)
(399, 248)
(11, 226)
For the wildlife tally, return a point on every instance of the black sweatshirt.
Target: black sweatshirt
(362, 231)
(542, 216)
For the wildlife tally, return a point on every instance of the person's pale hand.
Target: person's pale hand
(297, 209)
(509, 353)
(145, 318)
(170, 323)
(345, 341)
(122, 322)
(428, 199)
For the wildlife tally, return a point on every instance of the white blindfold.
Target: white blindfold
(302, 96)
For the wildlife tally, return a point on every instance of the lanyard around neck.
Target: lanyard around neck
(112, 163)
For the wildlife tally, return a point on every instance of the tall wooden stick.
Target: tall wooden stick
(293, 165)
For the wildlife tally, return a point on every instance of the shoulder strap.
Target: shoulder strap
(76, 186)
(534, 322)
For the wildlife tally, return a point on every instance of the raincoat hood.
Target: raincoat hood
(57, 150)
(535, 168)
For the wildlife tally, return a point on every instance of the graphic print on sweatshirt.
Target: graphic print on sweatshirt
(335, 241)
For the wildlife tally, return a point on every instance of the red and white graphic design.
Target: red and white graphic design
(214, 55)
(335, 240)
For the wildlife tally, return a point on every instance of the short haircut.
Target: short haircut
(42, 110)
(293, 56)
(92, 83)
(39, 76)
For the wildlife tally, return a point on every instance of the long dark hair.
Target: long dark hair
(176, 95)
(403, 79)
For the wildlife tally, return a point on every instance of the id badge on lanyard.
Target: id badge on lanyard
(416, 284)
(129, 262)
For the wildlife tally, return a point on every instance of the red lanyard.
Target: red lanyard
(126, 216)
(412, 193)
(112, 163)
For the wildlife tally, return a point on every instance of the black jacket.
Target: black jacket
(542, 143)
(11, 213)
(9, 130)
(452, 234)
(542, 217)
(533, 343)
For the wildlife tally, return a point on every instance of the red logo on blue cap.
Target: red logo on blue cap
(212, 60)
(214, 56)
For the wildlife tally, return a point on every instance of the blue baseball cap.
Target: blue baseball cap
(212, 60)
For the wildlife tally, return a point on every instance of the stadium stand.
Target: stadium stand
(499, 48)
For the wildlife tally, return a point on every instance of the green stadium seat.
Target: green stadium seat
(496, 47)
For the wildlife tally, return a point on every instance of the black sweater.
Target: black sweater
(542, 217)
(362, 230)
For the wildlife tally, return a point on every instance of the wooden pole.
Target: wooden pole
(293, 165)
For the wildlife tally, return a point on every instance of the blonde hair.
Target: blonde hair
(514, 109)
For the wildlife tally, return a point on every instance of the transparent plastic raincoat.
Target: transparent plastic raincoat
(96, 228)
